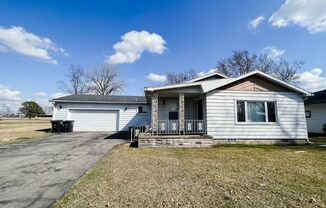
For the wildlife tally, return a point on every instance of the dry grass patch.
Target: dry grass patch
(13, 130)
(236, 176)
(318, 139)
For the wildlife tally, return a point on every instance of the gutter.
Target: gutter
(103, 102)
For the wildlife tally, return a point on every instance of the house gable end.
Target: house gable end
(255, 83)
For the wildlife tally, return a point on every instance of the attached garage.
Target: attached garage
(102, 112)
(94, 120)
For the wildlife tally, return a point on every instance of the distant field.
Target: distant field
(12, 130)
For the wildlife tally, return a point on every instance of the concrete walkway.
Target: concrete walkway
(37, 173)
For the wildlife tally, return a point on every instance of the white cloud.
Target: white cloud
(133, 44)
(6, 94)
(253, 24)
(17, 39)
(310, 14)
(40, 94)
(43, 102)
(156, 77)
(273, 52)
(206, 72)
(57, 94)
(312, 80)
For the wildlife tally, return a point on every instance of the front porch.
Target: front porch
(178, 119)
(177, 113)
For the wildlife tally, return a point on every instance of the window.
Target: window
(256, 111)
(308, 114)
(241, 114)
(271, 111)
(141, 110)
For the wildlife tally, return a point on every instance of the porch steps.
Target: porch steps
(174, 141)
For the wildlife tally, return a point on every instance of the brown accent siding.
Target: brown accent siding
(255, 83)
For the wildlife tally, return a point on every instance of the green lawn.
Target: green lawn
(223, 176)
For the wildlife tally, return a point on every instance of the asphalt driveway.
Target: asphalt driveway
(37, 173)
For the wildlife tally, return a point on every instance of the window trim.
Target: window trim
(306, 111)
(246, 113)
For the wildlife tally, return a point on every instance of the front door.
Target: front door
(172, 109)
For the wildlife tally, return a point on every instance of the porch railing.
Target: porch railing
(171, 127)
(167, 127)
(195, 126)
(136, 130)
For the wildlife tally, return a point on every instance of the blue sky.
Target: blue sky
(183, 35)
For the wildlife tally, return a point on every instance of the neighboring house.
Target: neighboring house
(316, 112)
(253, 108)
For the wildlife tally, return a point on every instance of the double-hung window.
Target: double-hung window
(256, 111)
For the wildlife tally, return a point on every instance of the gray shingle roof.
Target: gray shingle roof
(318, 98)
(102, 99)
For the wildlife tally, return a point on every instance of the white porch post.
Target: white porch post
(154, 117)
(181, 112)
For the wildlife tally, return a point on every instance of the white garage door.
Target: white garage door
(94, 120)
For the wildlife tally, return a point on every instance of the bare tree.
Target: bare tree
(287, 71)
(77, 84)
(177, 78)
(48, 110)
(241, 62)
(104, 80)
(5, 111)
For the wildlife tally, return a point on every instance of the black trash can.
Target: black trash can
(71, 126)
(68, 126)
(56, 126)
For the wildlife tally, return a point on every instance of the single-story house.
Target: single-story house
(316, 112)
(252, 108)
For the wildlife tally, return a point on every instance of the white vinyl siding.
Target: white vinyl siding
(127, 113)
(59, 114)
(221, 116)
(318, 118)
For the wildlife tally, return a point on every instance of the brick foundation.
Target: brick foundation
(175, 141)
